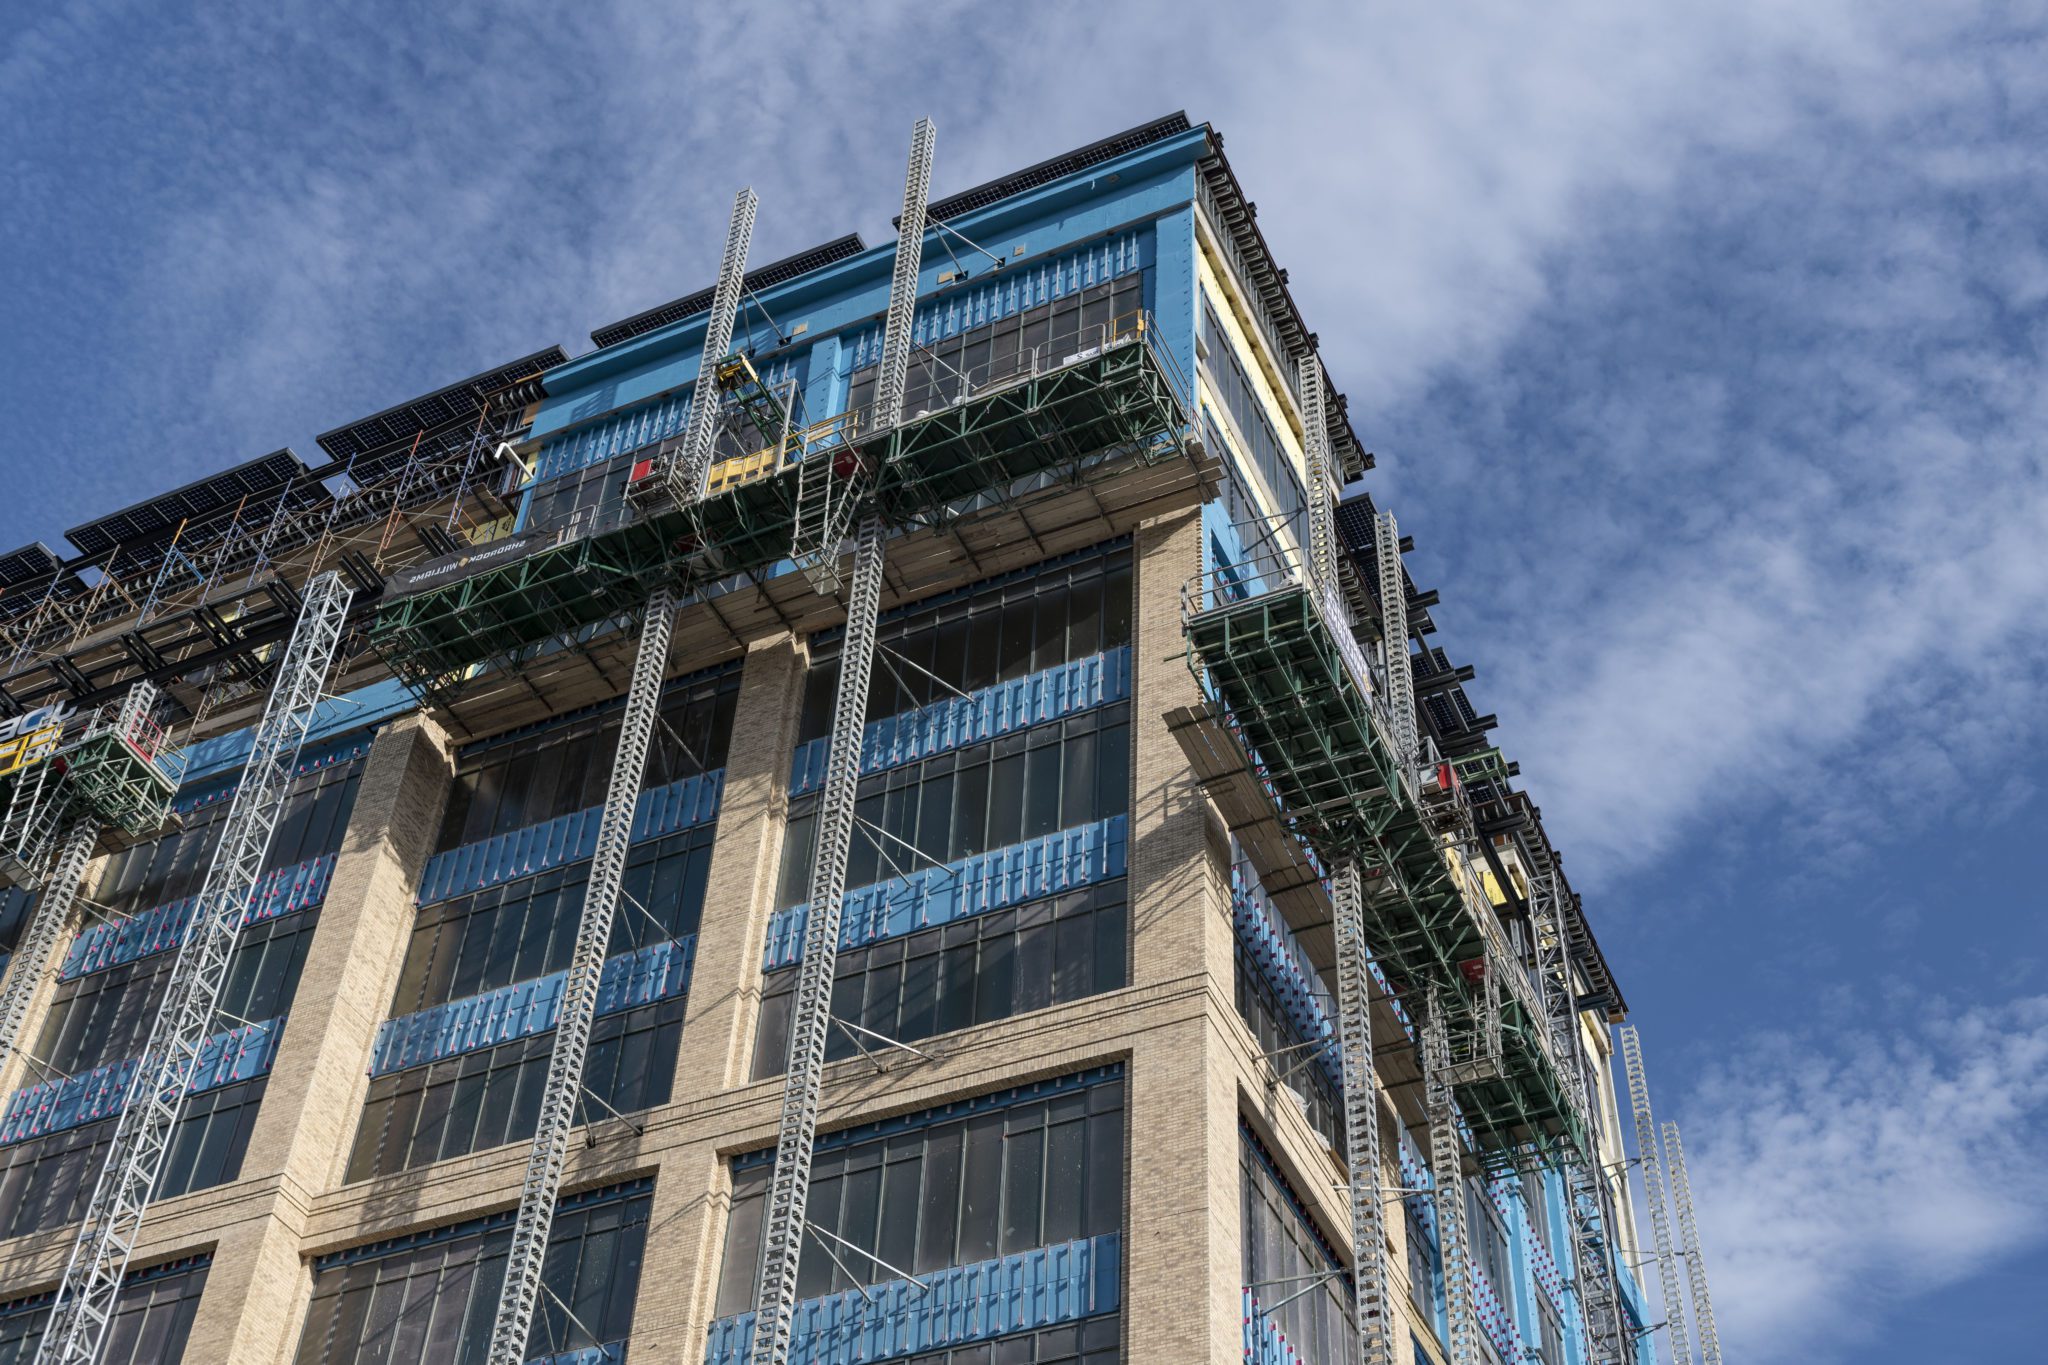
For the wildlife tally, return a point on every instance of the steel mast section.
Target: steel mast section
(1592, 1209)
(1653, 1195)
(803, 1078)
(1354, 973)
(541, 1189)
(31, 961)
(90, 1290)
(1689, 1247)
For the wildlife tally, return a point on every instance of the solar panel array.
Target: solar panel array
(689, 305)
(457, 403)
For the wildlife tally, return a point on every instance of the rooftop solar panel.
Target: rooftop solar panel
(1045, 172)
(155, 519)
(457, 402)
(689, 305)
(27, 564)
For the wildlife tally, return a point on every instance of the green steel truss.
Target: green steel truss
(117, 785)
(1081, 419)
(432, 639)
(1117, 399)
(1280, 674)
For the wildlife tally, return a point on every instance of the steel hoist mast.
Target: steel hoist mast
(1591, 1201)
(88, 1294)
(1592, 1206)
(1653, 1195)
(1354, 974)
(541, 1189)
(1689, 1246)
(803, 1079)
(1446, 1171)
(31, 961)
(1446, 1152)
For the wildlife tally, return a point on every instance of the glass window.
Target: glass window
(1282, 1243)
(491, 1097)
(429, 1300)
(562, 766)
(961, 1186)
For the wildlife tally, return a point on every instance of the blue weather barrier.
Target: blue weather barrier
(611, 1353)
(1003, 708)
(160, 929)
(240, 1054)
(525, 1008)
(566, 839)
(1251, 916)
(1264, 1342)
(953, 1307)
(1065, 860)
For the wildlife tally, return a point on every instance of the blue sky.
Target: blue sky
(1701, 346)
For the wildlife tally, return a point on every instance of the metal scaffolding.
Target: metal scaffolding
(31, 960)
(563, 1090)
(86, 1298)
(803, 1079)
(1689, 1247)
(1653, 1193)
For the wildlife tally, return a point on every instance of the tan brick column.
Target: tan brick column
(739, 893)
(1182, 1255)
(679, 1275)
(256, 1291)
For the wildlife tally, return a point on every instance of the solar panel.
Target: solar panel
(27, 564)
(155, 519)
(458, 402)
(1045, 172)
(689, 305)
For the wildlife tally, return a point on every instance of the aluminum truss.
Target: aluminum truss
(1354, 975)
(835, 479)
(562, 1092)
(87, 1296)
(1591, 1205)
(803, 1078)
(542, 1188)
(1689, 1247)
(1653, 1195)
(1446, 1171)
(692, 467)
(31, 960)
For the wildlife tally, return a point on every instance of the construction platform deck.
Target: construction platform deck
(1299, 706)
(1104, 428)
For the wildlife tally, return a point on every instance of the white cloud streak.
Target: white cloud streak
(1836, 1181)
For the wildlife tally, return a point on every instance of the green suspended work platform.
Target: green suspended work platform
(1298, 695)
(1090, 415)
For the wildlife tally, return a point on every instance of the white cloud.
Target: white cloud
(1838, 1182)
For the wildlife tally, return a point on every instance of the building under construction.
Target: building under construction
(901, 807)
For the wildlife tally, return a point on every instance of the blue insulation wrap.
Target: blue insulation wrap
(566, 839)
(1062, 690)
(957, 1306)
(240, 1054)
(281, 891)
(1065, 860)
(657, 972)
